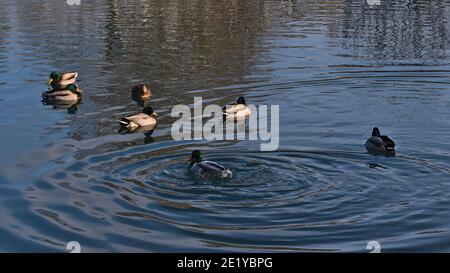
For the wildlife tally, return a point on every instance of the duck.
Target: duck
(70, 95)
(141, 91)
(146, 119)
(378, 143)
(60, 80)
(237, 111)
(71, 108)
(207, 169)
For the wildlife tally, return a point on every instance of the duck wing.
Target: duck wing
(212, 166)
(69, 75)
(51, 94)
(235, 108)
(137, 117)
(138, 120)
(388, 141)
(124, 121)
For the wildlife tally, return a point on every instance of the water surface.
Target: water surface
(336, 68)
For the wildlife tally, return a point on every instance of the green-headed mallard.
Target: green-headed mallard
(207, 169)
(69, 95)
(379, 144)
(60, 80)
(148, 118)
(239, 110)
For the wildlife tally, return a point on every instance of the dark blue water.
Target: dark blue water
(336, 68)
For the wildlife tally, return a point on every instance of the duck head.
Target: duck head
(54, 77)
(376, 132)
(141, 91)
(195, 157)
(74, 89)
(149, 111)
(241, 100)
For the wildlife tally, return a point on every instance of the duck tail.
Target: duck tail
(123, 121)
(389, 146)
(225, 114)
(224, 117)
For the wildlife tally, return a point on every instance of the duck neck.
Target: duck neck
(192, 163)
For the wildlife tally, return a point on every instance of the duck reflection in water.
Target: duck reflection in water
(148, 138)
(71, 108)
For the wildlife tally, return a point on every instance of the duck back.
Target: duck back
(211, 170)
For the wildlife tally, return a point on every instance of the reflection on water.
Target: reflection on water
(395, 30)
(336, 68)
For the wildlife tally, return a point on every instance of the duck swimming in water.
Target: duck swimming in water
(70, 95)
(60, 80)
(207, 169)
(380, 144)
(145, 120)
(141, 91)
(238, 111)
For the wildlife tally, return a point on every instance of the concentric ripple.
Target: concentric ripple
(129, 199)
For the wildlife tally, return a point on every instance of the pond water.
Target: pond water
(336, 68)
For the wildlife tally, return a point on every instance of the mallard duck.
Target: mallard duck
(207, 169)
(60, 80)
(69, 95)
(238, 111)
(141, 91)
(380, 144)
(147, 119)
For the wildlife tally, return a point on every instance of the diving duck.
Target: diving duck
(71, 94)
(237, 111)
(207, 169)
(141, 91)
(145, 119)
(379, 144)
(60, 81)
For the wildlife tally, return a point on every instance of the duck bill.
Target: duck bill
(50, 81)
(154, 115)
(190, 160)
(146, 95)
